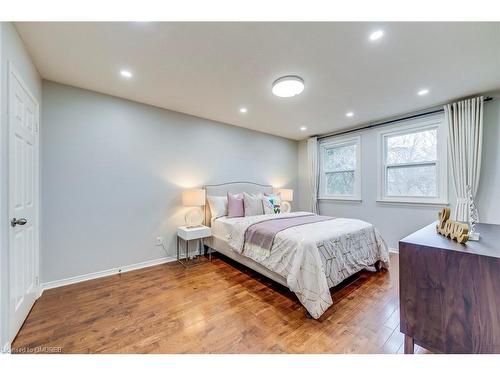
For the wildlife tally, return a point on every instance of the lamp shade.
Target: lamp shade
(193, 197)
(286, 194)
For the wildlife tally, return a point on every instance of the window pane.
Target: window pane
(413, 147)
(340, 183)
(340, 158)
(414, 181)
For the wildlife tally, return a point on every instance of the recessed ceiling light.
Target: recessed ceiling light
(376, 35)
(349, 114)
(243, 110)
(126, 74)
(288, 86)
(303, 128)
(423, 92)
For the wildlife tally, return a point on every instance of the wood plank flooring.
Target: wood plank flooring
(217, 307)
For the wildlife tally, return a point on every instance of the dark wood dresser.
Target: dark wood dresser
(450, 293)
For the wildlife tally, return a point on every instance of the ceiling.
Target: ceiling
(211, 70)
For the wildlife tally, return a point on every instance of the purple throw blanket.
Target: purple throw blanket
(262, 233)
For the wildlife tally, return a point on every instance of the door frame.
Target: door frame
(14, 74)
(4, 347)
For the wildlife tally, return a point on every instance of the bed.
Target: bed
(309, 254)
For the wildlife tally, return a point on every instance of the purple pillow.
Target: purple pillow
(235, 205)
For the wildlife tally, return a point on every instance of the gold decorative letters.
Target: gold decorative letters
(455, 230)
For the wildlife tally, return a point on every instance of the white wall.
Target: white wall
(113, 172)
(396, 221)
(11, 50)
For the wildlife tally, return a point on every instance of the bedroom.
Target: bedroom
(249, 187)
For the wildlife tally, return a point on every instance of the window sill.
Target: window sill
(338, 199)
(412, 202)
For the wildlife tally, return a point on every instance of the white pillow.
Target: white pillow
(271, 203)
(218, 206)
(253, 204)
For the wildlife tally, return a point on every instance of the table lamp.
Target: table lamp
(286, 197)
(190, 198)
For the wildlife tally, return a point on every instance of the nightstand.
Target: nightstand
(188, 234)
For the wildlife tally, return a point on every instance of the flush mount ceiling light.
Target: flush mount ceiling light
(126, 74)
(243, 110)
(423, 92)
(288, 86)
(349, 114)
(376, 35)
(303, 128)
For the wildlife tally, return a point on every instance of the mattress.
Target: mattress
(222, 227)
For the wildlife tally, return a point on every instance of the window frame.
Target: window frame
(333, 143)
(441, 162)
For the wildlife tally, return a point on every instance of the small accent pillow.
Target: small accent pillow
(271, 203)
(235, 205)
(253, 204)
(218, 206)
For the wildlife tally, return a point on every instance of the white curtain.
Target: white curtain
(465, 139)
(312, 174)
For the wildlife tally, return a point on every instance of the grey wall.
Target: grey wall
(113, 172)
(303, 196)
(11, 50)
(396, 221)
(489, 186)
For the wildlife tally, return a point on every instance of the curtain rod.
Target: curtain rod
(487, 99)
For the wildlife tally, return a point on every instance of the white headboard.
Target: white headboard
(235, 188)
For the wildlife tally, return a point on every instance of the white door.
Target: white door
(23, 202)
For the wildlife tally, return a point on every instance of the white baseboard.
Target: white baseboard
(6, 349)
(393, 250)
(96, 275)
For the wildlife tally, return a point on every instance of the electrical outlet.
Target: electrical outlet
(159, 241)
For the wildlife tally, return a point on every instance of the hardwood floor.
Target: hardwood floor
(217, 307)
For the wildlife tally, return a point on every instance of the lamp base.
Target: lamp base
(286, 207)
(474, 236)
(194, 218)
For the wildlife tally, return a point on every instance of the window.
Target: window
(340, 167)
(413, 166)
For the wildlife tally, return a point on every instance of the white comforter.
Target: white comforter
(314, 257)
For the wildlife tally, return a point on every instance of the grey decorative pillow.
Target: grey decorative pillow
(253, 204)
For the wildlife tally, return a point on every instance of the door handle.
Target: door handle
(15, 221)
